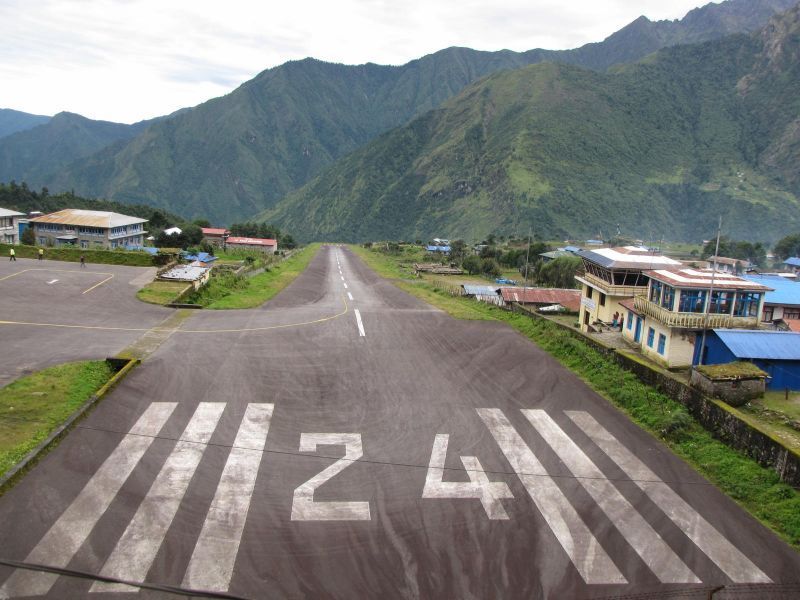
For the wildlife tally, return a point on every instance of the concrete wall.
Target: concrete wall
(600, 312)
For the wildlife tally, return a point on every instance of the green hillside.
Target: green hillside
(32, 154)
(234, 156)
(12, 121)
(661, 148)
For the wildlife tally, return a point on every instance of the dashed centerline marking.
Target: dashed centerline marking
(345, 285)
(350, 296)
(359, 323)
(52, 282)
(342, 277)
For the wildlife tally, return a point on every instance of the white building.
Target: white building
(9, 226)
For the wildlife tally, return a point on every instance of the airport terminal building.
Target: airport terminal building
(88, 229)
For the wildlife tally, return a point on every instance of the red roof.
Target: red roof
(246, 241)
(213, 230)
(794, 324)
(569, 299)
(628, 303)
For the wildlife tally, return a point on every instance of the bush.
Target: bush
(490, 268)
(471, 264)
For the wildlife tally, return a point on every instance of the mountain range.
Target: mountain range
(657, 149)
(255, 148)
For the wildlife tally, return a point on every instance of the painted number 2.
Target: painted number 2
(478, 486)
(304, 507)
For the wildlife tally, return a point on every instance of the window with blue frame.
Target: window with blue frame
(651, 335)
(721, 303)
(655, 291)
(662, 343)
(630, 320)
(746, 304)
(668, 297)
(692, 301)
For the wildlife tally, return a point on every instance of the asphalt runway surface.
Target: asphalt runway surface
(349, 441)
(50, 297)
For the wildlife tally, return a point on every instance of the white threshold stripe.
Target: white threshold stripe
(656, 554)
(582, 548)
(70, 531)
(211, 565)
(350, 296)
(359, 323)
(137, 548)
(704, 535)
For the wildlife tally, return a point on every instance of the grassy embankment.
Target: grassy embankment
(756, 488)
(228, 291)
(161, 292)
(131, 258)
(33, 406)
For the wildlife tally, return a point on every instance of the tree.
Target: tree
(788, 246)
(202, 222)
(471, 264)
(458, 251)
(490, 268)
(755, 253)
(28, 238)
(559, 273)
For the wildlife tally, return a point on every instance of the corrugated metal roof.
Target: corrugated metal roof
(4, 212)
(793, 261)
(480, 290)
(570, 299)
(694, 278)
(88, 218)
(785, 291)
(246, 241)
(213, 230)
(776, 345)
(628, 257)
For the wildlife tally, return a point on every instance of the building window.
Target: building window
(662, 343)
(668, 297)
(655, 291)
(747, 304)
(693, 301)
(787, 314)
(602, 299)
(630, 320)
(721, 303)
(651, 335)
(768, 312)
(84, 244)
(588, 292)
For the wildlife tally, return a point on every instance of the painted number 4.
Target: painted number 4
(488, 492)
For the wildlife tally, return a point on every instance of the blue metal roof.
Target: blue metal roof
(787, 292)
(201, 256)
(776, 345)
(444, 249)
(793, 261)
(479, 290)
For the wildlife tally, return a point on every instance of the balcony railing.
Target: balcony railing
(691, 320)
(608, 288)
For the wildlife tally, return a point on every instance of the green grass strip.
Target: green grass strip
(757, 489)
(161, 292)
(33, 406)
(229, 291)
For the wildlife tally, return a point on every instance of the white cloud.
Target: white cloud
(126, 60)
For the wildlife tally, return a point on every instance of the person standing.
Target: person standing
(83, 261)
(12, 255)
(41, 254)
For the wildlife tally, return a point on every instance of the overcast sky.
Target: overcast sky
(128, 60)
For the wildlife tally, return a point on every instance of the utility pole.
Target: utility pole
(527, 257)
(710, 294)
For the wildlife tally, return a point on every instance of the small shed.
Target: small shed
(483, 293)
(569, 299)
(777, 353)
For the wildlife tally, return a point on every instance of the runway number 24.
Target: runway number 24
(305, 508)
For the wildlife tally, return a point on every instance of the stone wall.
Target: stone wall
(736, 392)
(718, 418)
